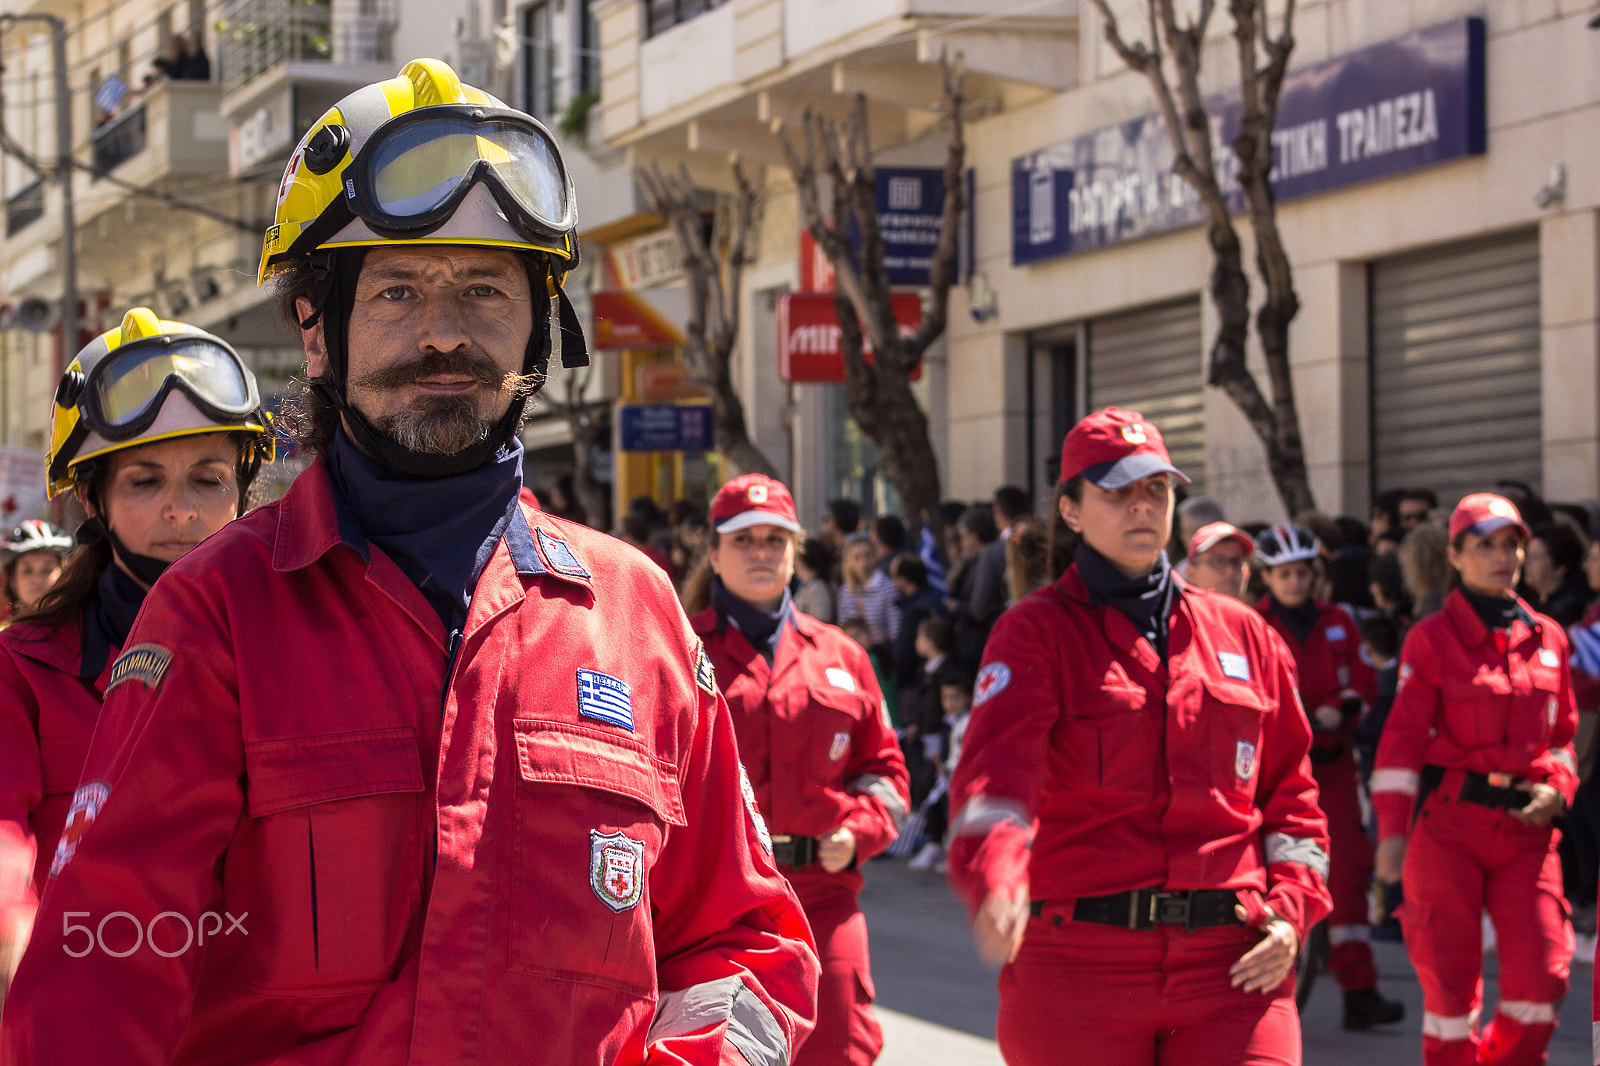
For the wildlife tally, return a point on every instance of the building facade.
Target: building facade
(1439, 191)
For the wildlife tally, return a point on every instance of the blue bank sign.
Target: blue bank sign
(666, 428)
(1407, 103)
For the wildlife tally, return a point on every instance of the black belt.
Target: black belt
(1494, 791)
(1146, 908)
(794, 851)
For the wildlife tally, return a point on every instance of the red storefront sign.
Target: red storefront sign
(816, 272)
(808, 335)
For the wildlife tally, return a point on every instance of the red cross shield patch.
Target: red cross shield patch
(616, 869)
(86, 805)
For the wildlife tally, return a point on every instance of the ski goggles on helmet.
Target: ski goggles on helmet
(414, 171)
(124, 392)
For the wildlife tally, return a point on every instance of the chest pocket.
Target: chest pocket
(825, 730)
(1232, 714)
(1106, 739)
(593, 811)
(328, 863)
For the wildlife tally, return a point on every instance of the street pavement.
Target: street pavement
(937, 1001)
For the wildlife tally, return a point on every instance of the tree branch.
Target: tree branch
(942, 264)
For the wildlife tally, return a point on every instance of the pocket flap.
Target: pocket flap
(1235, 693)
(562, 753)
(298, 771)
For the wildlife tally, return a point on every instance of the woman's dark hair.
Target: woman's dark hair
(1565, 545)
(1384, 571)
(1063, 541)
(696, 593)
(817, 556)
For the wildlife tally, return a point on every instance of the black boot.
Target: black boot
(1364, 1008)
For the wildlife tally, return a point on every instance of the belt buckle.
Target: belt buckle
(1170, 908)
(1500, 780)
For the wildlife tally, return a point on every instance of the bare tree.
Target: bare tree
(585, 419)
(879, 395)
(713, 267)
(1263, 61)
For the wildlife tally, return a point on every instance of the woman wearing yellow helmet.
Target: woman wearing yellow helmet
(158, 431)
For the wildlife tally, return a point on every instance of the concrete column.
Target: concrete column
(1569, 313)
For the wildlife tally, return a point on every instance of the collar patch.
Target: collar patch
(559, 556)
(146, 663)
(605, 699)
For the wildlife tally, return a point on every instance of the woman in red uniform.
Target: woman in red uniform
(1476, 759)
(1135, 830)
(1336, 685)
(158, 430)
(813, 736)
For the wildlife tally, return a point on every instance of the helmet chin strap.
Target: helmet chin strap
(341, 270)
(144, 568)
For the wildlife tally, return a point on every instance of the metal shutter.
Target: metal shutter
(1455, 368)
(1151, 361)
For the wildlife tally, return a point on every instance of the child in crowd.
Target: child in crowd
(858, 630)
(955, 701)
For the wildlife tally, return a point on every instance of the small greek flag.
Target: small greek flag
(929, 552)
(110, 94)
(605, 699)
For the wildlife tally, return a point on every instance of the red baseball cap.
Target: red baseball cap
(753, 500)
(1114, 448)
(1209, 536)
(1483, 513)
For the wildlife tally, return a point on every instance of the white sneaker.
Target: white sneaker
(1583, 954)
(1491, 942)
(925, 859)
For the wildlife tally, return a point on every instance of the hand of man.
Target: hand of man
(836, 850)
(1390, 859)
(1545, 804)
(1327, 718)
(998, 927)
(1263, 967)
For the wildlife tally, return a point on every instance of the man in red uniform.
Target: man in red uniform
(1134, 824)
(397, 770)
(1475, 761)
(1336, 686)
(823, 760)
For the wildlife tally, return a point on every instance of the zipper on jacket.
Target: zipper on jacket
(444, 697)
(316, 939)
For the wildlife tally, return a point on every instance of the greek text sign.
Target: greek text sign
(1397, 106)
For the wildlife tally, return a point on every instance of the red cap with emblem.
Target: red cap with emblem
(753, 500)
(1114, 448)
(1483, 513)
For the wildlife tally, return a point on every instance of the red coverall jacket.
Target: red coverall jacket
(1074, 781)
(463, 857)
(812, 735)
(1328, 666)
(47, 713)
(1463, 704)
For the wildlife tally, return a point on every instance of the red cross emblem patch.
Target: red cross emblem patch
(86, 805)
(616, 869)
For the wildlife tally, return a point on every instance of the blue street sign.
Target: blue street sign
(1376, 112)
(666, 428)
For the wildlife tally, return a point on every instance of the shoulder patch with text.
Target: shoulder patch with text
(146, 663)
(704, 675)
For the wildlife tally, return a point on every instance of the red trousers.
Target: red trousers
(1464, 859)
(1349, 874)
(847, 1032)
(1097, 994)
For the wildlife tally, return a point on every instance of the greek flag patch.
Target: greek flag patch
(1234, 665)
(605, 699)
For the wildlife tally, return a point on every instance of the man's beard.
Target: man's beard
(444, 425)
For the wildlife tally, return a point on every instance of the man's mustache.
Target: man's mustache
(470, 364)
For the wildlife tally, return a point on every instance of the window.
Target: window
(588, 51)
(664, 14)
(539, 78)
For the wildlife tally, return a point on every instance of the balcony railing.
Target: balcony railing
(665, 14)
(25, 207)
(119, 140)
(256, 36)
